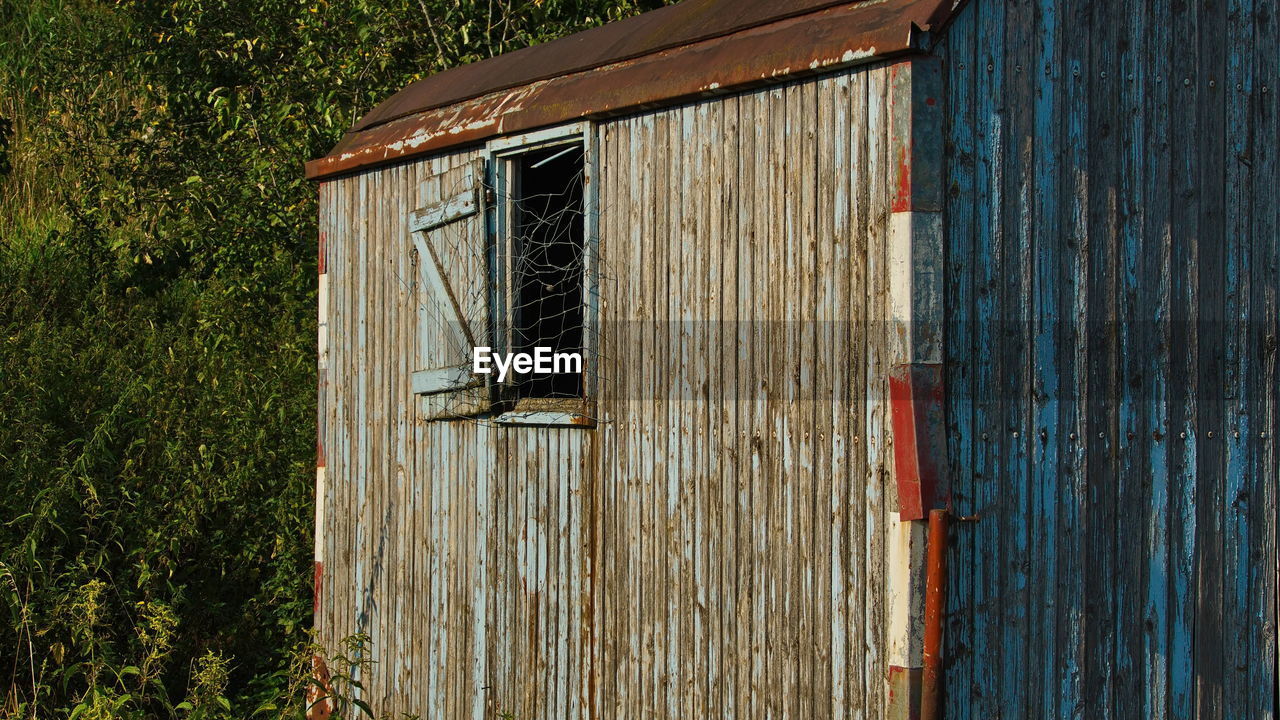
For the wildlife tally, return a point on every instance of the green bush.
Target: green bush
(157, 369)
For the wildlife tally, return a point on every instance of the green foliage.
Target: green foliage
(157, 381)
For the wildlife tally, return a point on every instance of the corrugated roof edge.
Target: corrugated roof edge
(816, 41)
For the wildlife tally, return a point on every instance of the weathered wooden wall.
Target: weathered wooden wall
(457, 547)
(743, 473)
(1112, 277)
(716, 546)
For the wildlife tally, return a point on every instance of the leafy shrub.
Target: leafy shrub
(157, 266)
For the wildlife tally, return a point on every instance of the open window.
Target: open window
(505, 250)
(545, 239)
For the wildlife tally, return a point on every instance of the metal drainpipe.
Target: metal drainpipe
(935, 598)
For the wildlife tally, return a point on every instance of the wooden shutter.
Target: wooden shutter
(453, 278)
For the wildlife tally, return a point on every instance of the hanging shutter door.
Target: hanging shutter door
(450, 239)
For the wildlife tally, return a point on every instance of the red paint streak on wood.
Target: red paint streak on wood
(902, 201)
(318, 586)
(919, 438)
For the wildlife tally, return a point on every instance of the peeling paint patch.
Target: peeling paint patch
(851, 55)
(319, 694)
(904, 693)
(533, 556)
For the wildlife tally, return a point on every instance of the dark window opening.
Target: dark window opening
(548, 245)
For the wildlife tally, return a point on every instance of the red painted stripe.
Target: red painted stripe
(919, 438)
(902, 200)
(318, 586)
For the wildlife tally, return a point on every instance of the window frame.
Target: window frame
(500, 160)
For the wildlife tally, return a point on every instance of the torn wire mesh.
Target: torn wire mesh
(524, 287)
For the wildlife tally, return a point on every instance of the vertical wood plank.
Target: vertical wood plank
(1157, 267)
(716, 646)
(875, 669)
(725, 339)
(860, 575)
(1238, 422)
(959, 54)
(1211, 302)
(828, 317)
(1051, 411)
(1264, 321)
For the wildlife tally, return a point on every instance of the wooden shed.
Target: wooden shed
(928, 367)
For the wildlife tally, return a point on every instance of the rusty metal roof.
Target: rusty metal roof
(697, 47)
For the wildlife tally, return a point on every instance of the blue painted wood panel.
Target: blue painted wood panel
(1111, 282)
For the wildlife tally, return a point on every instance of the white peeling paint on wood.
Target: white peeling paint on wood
(904, 596)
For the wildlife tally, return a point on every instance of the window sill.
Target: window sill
(551, 412)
